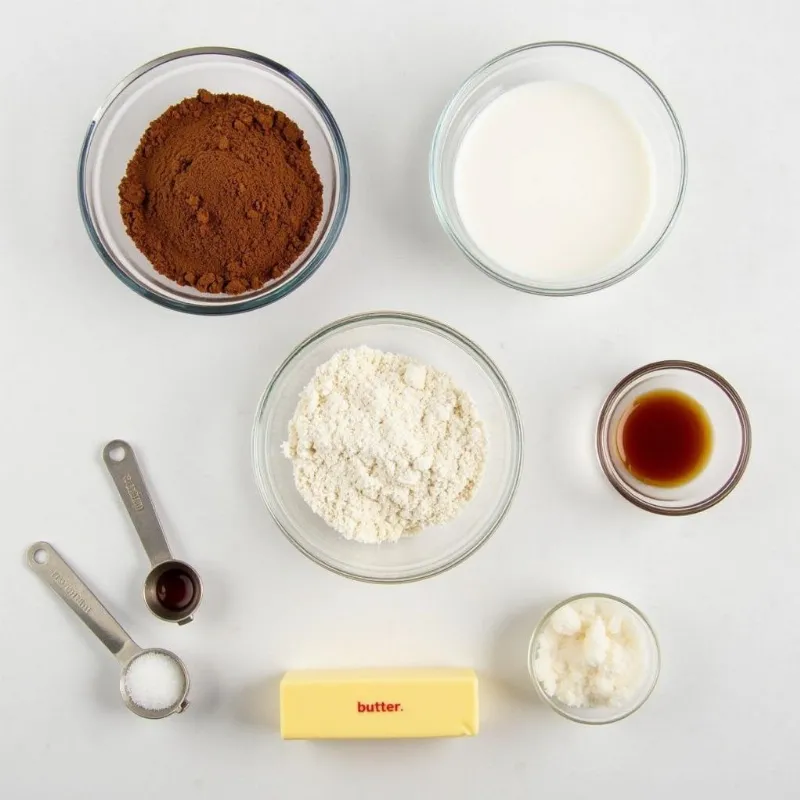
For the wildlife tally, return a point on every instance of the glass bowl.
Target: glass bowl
(433, 550)
(602, 715)
(578, 63)
(731, 437)
(118, 125)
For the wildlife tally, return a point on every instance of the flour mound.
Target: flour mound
(383, 446)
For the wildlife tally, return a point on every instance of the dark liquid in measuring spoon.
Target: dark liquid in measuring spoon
(175, 590)
(665, 438)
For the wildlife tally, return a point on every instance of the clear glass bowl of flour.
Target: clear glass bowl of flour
(434, 549)
(558, 168)
(625, 673)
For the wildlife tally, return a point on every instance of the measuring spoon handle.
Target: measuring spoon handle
(130, 484)
(59, 576)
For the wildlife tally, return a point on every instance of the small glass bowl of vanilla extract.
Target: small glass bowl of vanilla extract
(673, 437)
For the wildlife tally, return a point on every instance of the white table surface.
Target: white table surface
(85, 360)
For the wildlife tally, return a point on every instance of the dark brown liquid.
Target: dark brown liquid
(175, 590)
(665, 438)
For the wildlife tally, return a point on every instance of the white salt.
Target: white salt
(154, 681)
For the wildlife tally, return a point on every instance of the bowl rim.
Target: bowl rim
(436, 194)
(315, 257)
(613, 399)
(562, 710)
(437, 328)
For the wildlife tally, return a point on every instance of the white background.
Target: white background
(85, 360)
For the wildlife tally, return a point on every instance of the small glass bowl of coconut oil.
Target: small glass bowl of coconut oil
(558, 168)
(594, 658)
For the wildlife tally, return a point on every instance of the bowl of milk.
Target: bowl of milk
(558, 168)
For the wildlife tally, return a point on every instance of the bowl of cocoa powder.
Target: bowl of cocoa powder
(213, 181)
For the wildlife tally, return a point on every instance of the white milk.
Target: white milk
(553, 181)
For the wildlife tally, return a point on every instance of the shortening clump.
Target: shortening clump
(383, 446)
(591, 654)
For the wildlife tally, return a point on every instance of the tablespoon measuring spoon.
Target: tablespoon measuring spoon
(139, 678)
(172, 589)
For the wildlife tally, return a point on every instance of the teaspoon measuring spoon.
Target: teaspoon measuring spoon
(172, 589)
(59, 576)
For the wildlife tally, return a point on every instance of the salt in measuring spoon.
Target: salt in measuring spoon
(172, 589)
(45, 561)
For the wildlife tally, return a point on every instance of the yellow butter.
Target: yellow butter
(379, 703)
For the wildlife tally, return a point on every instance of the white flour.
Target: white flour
(383, 446)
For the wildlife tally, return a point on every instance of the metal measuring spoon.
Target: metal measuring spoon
(59, 576)
(172, 589)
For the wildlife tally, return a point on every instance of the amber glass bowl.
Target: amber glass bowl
(731, 434)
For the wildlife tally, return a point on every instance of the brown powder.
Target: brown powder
(221, 193)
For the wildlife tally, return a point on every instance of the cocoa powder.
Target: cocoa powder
(221, 193)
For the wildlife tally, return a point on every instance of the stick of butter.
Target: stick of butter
(379, 703)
